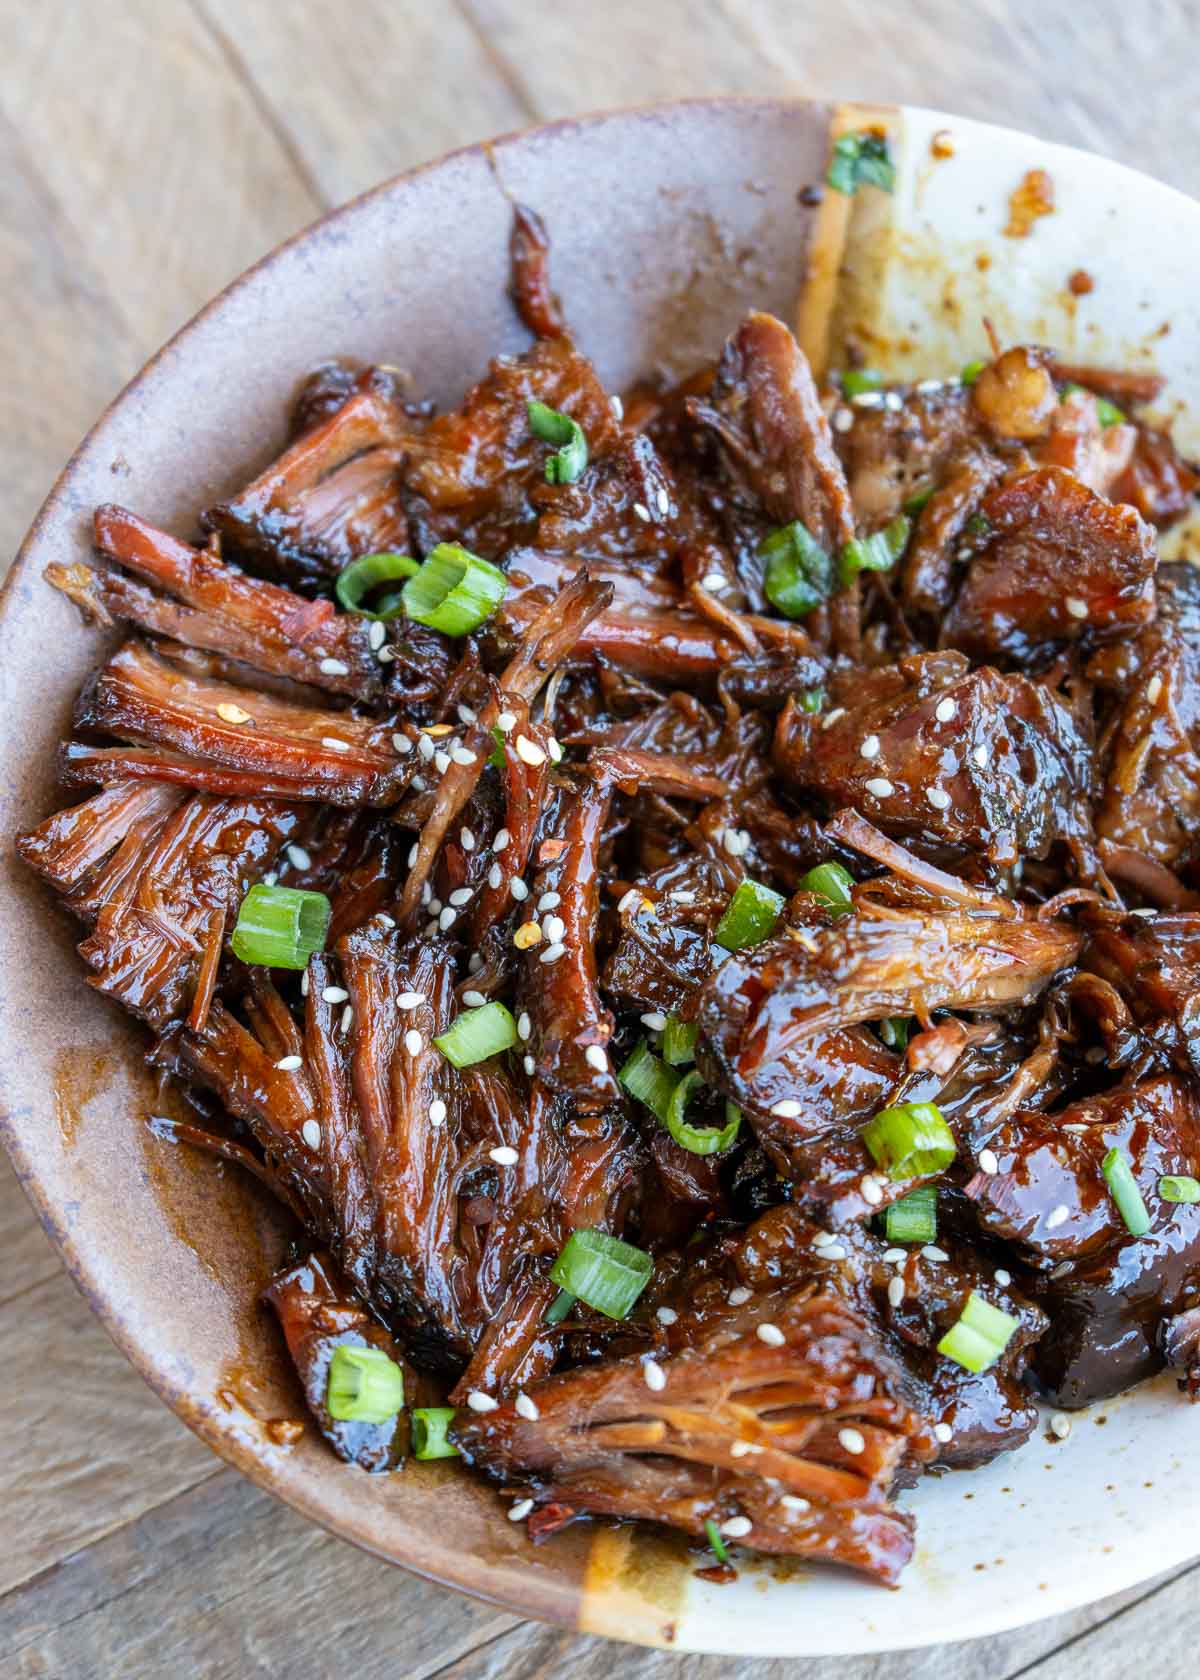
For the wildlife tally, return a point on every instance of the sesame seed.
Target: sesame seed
(401, 744)
(843, 419)
(735, 841)
(927, 387)
(653, 1375)
(464, 755)
(410, 1000)
(466, 839)
(506, 721)
(682, 896)
(527, 936)
(739, 1296)
(437, 730)
(468, 714)
(414, 852)
(332, 742)
(743, 1449)
(853, 1440)
(867, 399)
(413, 1042)
(880, 787)
(1058, 1217)
(311, 1133)
(1153, 689)
(495, 875)
(384, 920)
(1003, 1278)
(298, 857)
(793, 1502)
(461, 896)
(433, 905)
(335, 994)
(554, 928)
(938, 798)
(386, 655)
(895, 1257)
(642, 512)
(500, 843)
(553, 953)
(869, 747)
(481, 1402)
(787, 1108)
(895, 1291)
(1076, 607)
(666, 1315)
(425, 748)
(831, 1251)
(437, 1112)
(529, 1065)
(942, 1432)
(1061, 1270)
(714, 582)
(1060, 1425)
(980, 755)
(628, 900)
(347, 1017)
(893, 400)
(519, 1511)
(663, 501)
(549, 901)
(447, 918)
(304, 984)
(822, 1239)
(474, 1000)
(771, 1334)
(736, 1528)
(988, 1162)
(945, 710)
(335, 668)
(526, 1408)
(595, 1057)
(270, 878)
(289, 1064)
(441, 762)
(504, 1156)
(618, 407)
(524, 1025)
(871, 1190)
(474, 963)
(529, 751)
(232, 714)
(934, 1254)
(376, 635)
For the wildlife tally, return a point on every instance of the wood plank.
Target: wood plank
(350, 124)
(27, 1256)
(1157, 1636)
(87, 1446)
(222, 1582)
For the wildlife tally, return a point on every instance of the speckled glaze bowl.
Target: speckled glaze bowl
(667, 224)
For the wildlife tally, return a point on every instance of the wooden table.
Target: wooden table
(151, 150)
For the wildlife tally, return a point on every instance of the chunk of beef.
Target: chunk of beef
(1096, 454)
(1058, 563)
(929, 562)
(1156, 481)
(826, 1410)
(891, 454)
(72, 845)
(529, 253)
(1155, 965)
(968, 759)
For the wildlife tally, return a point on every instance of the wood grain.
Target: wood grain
(148, 153)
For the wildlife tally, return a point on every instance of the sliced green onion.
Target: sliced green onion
(357, 580)
(280, 927)
(365, 1386)
(1175, 1188)
(750, 916)
(798, 574)
(980, 1336)
(857, 380)
(1108, 413)
(454, 591)
(679, 1041)
(875, 554)
(605, 1273)
(831, 882)
(429, 1426)
(914, 1217)
(979, 526)
(917, 501)
(496, 756)
(559, 1307)
(570, 446)
(645, 1078)
(861, 159)
(812, 700)
(894, 1032)
(478, 1034)
(700, 1140)
(971, 372)
(911, 1140)
(1123, 1188)
(719, 1549)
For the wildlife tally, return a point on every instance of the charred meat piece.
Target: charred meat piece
(317, 1313)
(891, 454)
(331, 496)
(294, 750)
(1155, 965)
(961, 759)
(1098, 455)
(69, 847)
(1057, 563)
(1160, 485)
(930, 562)
(529, 252)
(826, 1410)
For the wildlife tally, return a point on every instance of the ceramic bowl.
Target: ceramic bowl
(667, 224)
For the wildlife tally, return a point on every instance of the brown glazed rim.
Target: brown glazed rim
(563, 1597)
